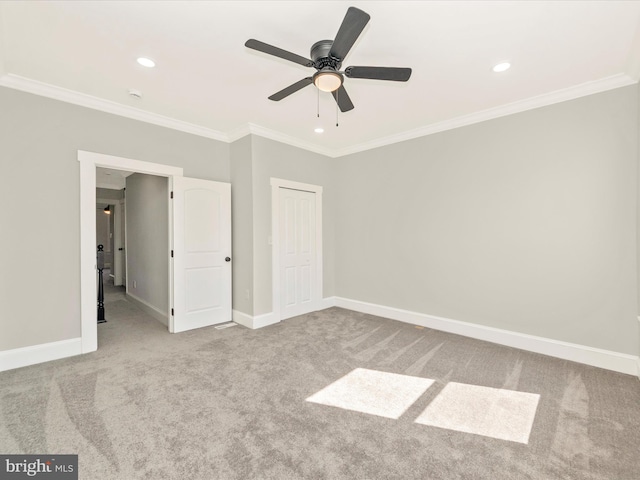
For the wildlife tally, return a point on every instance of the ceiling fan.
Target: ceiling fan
(327, 57)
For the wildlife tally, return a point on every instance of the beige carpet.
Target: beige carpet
(286, 402)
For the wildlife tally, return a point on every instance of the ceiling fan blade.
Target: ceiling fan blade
(285, 92)
(277, 52)
(354, 22)
(342, 99)
(379, 73)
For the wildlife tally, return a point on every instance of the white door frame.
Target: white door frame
(88, 281)
(276, 185)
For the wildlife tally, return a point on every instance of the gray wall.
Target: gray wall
(254, 160)
(242, 224)
(274, 159)
(39, 140)
(147, 220)
(525, 223)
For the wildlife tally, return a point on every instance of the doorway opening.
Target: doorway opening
(110, 220)
(89, 162)
(141, 245)
(198, 231)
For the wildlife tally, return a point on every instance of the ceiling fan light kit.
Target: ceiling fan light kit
(328, 81)
(327, 57)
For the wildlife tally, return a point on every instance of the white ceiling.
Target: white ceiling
(207, 82)
(111, 179)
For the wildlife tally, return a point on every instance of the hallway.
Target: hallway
(127, 325)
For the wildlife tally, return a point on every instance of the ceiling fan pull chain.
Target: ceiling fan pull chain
(337, 102)
(318, 91)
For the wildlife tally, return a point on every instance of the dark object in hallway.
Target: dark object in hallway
(101, 318)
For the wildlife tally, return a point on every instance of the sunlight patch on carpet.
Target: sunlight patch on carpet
(491, 412)
(370, 391)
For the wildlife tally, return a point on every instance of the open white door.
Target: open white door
(201, 253)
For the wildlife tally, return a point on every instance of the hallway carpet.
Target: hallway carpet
(232, 404)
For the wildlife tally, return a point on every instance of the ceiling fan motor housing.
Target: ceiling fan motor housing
(321, 58)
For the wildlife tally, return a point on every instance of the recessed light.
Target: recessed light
(319, 130)
(501, 67)
(146, 62)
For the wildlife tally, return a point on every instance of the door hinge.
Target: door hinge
(171, 253)
(171, 194)
(172, 312)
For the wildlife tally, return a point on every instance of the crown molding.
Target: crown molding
(51, 91)
(2, 42)
(289, 140)
(238, 133)
(253, 129)
(558, 96)
(70, 96)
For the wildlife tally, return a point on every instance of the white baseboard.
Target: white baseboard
(327, 302)
(618, 362)
(258, 321)
(265, 320)
(639, 351)
(162, 317)
(242, 319)
(46, 352)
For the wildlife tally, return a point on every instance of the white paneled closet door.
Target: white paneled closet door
(297, 252)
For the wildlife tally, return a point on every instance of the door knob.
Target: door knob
(227, 259)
